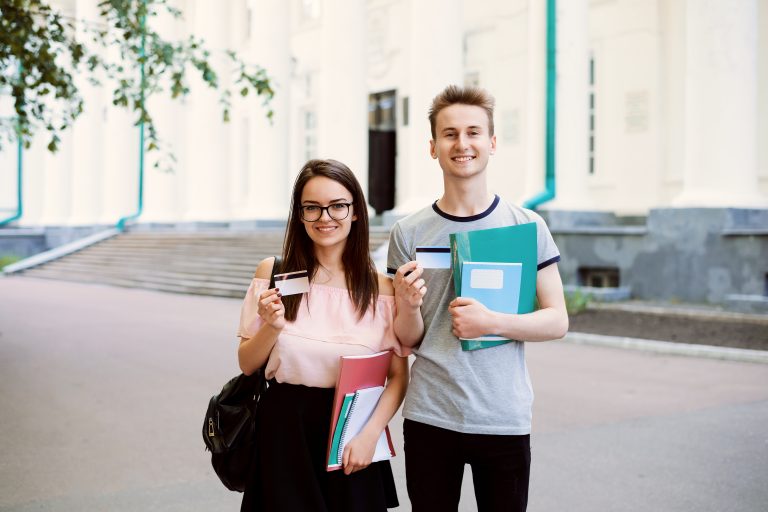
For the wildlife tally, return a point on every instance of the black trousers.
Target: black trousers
(434, 468)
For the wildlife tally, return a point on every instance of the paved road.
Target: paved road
(102, 393)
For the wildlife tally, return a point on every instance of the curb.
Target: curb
(681, 311)
(670, 348)
(58, 252)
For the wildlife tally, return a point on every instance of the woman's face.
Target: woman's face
(325, 200)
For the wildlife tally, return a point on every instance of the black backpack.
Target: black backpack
(229, 429)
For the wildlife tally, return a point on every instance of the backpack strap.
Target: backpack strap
(275, 269)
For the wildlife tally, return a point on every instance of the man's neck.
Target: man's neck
(464, 201)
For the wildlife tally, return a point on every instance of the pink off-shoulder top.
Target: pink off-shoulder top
(327, 326)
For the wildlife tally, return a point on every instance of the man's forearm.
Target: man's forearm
(542, 325)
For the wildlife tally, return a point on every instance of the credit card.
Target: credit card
(433, 256)
(292, 283)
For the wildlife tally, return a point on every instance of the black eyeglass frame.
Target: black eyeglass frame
(327, 209)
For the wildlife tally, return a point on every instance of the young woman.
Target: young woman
(349, 310)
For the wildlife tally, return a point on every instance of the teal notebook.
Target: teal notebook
(333, 455)
(509, 244)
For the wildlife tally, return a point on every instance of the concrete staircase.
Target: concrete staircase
(202, 263)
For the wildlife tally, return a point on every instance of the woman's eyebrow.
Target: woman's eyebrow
(330, 202)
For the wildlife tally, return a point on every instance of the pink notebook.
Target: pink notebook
(358, 372)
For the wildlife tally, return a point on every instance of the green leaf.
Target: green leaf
(50, 53)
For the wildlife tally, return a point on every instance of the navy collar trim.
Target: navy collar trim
(471, 218)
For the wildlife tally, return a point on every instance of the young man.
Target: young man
(467, 407)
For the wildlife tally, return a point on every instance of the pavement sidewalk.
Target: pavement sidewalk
(103, 392)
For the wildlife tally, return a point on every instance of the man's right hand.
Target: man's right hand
(409, 286)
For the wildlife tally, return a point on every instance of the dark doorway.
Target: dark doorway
(382, 150)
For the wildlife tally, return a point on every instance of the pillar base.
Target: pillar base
(709, 198)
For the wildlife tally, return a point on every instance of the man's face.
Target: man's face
(463, 141)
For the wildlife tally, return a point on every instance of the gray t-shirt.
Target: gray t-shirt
(484, 391)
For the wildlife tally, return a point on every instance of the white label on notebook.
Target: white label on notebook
(433, 257)
(489, 278)
(292, 283)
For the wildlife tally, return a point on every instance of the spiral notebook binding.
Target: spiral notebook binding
(343, 440)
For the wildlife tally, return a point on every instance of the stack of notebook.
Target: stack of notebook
(498, 268)
(358, 389)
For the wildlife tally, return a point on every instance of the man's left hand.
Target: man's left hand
(470, 319)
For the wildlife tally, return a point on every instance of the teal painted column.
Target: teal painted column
(121, 223)
(549, 177)
(19, 182)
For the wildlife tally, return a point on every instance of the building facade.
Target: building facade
(658, 105)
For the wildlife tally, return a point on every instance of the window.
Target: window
(599, 277)
(472, 79)
(591, 130)
(381, 111)
(310, 10)
(248, 22)
(310, 134)
(245, 164)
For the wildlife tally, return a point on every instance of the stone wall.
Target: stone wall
(687, 254)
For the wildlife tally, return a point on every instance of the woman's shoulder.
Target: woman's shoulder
(264, 269)
(386, 288)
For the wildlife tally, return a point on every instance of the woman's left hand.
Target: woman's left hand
(358, 453)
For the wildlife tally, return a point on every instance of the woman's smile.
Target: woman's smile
(324, 229)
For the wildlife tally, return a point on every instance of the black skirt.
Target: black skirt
(292, 435)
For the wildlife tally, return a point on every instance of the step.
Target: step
(159, 259)
(148, 281)
(147, 273)
(162, 287)
(215, 264)
(191, 267)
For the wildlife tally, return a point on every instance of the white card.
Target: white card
(433, 257)
(292, 283)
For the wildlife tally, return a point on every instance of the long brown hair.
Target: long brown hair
(299, 252)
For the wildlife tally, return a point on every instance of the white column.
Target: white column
(164, 186)
(435, 56)
(343, 122)
(208, 166)
(88, 167)
(33, 180)
(8, 181)
(572, 106)
(57, 181)
(109, 150)
(721, 105)
(261, 188)
(8, 162)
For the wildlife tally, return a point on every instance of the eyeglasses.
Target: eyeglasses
(336, 211)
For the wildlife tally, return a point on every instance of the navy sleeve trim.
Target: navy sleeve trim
(548, 262)
(471, 218)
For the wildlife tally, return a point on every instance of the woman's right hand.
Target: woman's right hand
(271, 308)
(409, 285)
